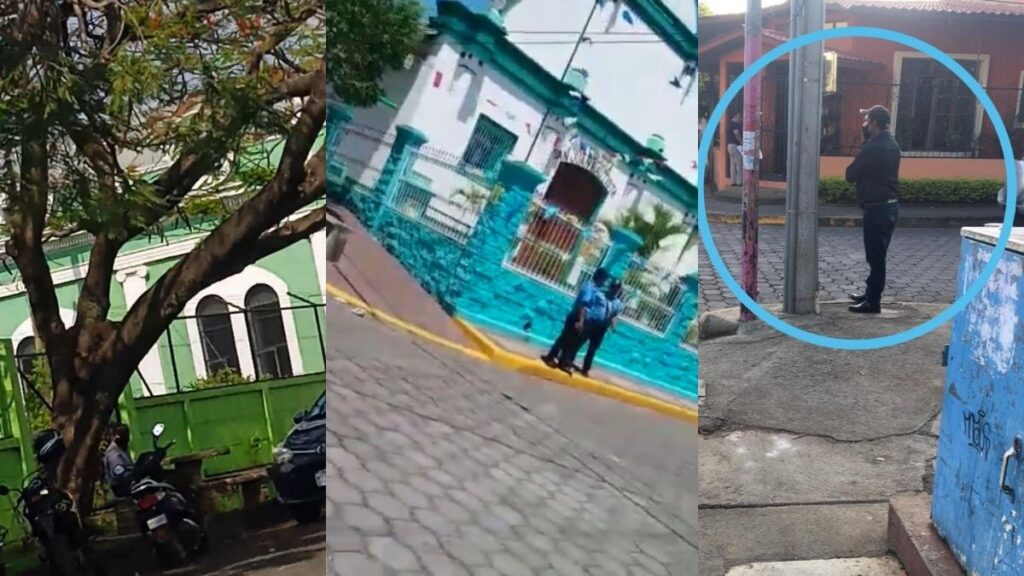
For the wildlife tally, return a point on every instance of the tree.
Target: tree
(87, 85)
(703, 9)
(653, 231)
(367, 39)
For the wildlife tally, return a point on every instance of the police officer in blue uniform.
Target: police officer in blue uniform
(596, 332)
(117, 462)
(569, 341)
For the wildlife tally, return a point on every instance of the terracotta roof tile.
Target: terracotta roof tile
(966, 7)
(980, 7)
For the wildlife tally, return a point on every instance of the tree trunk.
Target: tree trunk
(83, 420)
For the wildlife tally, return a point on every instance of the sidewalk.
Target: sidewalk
(724, 207)
(803, 447)
(531, 351)
(368, 272)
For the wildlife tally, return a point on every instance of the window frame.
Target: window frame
(495, 163)
(983, 60)
(283, 365)
(226, 315)
(1018, 113)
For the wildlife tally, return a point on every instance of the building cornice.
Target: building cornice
(488, 41)
(668, 26)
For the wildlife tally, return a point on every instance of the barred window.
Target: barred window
(488, 146)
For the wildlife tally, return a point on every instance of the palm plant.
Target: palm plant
(653, 231)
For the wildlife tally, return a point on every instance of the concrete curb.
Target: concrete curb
(855, 221)
(537, 368)
(490, 352)
(391, 320)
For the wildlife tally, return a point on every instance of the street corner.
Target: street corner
(476, 469)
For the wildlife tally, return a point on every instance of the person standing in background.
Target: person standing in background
(736, 149)
(876, 172)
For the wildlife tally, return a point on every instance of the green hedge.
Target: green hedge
(919, 191)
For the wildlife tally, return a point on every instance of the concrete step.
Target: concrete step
(916, 542)
(885, 566)
(731, 538)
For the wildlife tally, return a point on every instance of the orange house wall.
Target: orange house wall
(997, 37)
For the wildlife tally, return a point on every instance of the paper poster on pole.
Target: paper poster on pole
(749, 141)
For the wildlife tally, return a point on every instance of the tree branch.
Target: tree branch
(27, 212)
(240, 240)
(288, 234)
(275, 36)
(94, 300)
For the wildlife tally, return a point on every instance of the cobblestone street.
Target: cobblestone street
(922, 264)
(443, 465)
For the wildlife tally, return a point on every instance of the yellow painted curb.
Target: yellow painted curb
(537, 368)
(402, 325)
(491, 352)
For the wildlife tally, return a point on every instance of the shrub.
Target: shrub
(919, 191)
(224, 377)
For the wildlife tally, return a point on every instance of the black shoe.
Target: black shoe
(858, 298)
(567, 368)
(548, 360)
(866, 308)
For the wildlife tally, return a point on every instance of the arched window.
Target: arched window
(218, 337)
(266, 333)
(25, 356)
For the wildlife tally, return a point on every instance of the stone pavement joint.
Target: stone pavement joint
(442, 465)
(922, 265)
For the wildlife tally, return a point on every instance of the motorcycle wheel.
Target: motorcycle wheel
(307, 512)
(172, 554)
(62, 558)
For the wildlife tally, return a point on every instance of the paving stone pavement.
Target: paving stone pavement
(922, 264)
(444, 465)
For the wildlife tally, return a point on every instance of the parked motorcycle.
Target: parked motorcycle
(3, 540)
(168, 519)
(53, 517)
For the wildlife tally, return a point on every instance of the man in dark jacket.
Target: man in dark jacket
(875, 170)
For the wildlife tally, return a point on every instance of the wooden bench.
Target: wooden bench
(249, 481)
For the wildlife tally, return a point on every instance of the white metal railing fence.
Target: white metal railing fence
(555, 249)
(358, 156)
(653, 295)
(436, 193)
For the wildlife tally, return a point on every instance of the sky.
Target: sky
(733, 6)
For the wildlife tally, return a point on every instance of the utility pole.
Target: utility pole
(751, 153)
(565, 72)
(806, 65)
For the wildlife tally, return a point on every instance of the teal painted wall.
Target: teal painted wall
(471, 281)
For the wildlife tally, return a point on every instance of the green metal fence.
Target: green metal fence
(248, 420)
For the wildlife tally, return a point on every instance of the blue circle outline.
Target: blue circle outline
(960, 303)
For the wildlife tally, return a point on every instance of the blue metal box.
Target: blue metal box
(978, 502)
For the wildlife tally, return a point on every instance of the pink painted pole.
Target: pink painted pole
(751, 153)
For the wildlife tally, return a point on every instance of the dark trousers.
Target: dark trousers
(567, 344)
(879, 223)
(595, 337)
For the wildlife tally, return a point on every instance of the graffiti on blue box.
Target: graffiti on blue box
(978, 431)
